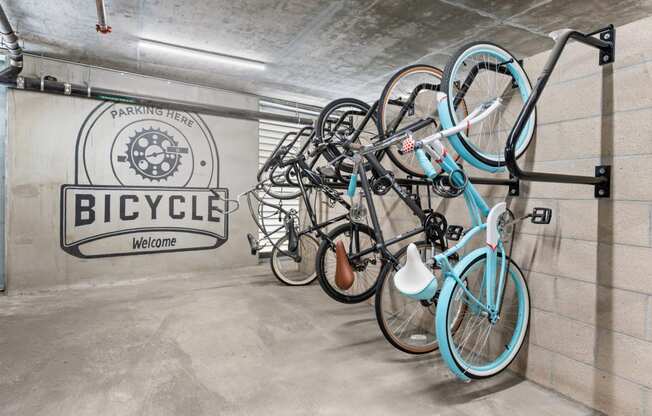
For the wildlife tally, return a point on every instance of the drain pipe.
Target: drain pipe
(101, 25)
(15, 52)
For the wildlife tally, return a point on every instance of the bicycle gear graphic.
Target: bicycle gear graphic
(154, 154)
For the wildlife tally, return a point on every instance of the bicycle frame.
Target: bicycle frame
(381, 245)
(476, 205)
(302, 170)
(478, 210)
(317, 227)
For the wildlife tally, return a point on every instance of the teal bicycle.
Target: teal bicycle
(483, 304)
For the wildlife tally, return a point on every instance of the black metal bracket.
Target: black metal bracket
(608, 53)
(606, 44)
(603, 189)
(514, 186)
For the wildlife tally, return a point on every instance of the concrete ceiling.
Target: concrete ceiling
(316, 50)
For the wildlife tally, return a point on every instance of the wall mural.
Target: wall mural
(143, 181)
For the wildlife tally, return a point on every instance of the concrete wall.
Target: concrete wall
(3, 146)
(42, 144)
(590, 270)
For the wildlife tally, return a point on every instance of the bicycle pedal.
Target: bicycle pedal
(541, 216)
(253, 245)
(454, 232)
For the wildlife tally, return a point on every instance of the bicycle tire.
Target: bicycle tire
(325, 273)
(461, 141)
(283, 276)
(452, 358)
(332, 152)
(383, 111)
(385, 282)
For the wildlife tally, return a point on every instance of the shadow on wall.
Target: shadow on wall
(518, 207)
(603, 342)
(605, 252)
(542, 246)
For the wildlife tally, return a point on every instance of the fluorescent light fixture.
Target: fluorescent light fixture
(156, 45)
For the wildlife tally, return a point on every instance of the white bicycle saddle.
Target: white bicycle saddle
(415, 279)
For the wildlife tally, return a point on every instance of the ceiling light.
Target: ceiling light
(201, 54)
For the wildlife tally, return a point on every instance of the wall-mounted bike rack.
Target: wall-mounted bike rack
(601, 181)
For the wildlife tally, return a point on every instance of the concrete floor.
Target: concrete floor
(227, 343)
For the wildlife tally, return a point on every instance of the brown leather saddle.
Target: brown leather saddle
(344, 275)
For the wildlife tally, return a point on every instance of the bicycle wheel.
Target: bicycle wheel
(479, 73)
(296, 270)
(408, 324)
(408, 97)
(339, 121)
(481, 348)
(281, 187)
(356, 237)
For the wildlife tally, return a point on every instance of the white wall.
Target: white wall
(43, 134)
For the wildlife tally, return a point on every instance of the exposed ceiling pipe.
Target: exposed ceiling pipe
(85, 91)
(10, 40)
(9, 77)
(102, 25)
(287, 103)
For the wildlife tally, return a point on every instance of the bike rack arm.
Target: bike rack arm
(265, 166)
(275, 153)
(606, 44)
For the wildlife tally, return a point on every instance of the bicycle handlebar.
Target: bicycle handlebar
(227, 201)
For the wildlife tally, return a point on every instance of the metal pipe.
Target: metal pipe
(102, 25)
(9, 77)
(10, 40)
(84, 91)
(291, 105)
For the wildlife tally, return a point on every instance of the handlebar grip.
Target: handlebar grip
(353, 182)
(425, 164)
(284, 163)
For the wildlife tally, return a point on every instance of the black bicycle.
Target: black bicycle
(293, 254)
(408, 101)
(366, 248)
